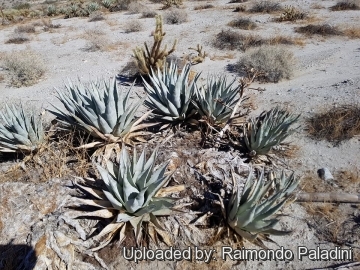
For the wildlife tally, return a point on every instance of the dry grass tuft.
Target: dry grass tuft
(25, 68)
(25, 29)
(96, 16)
(291, 14)
(352, 32)
(285, 41)
(130, 69)
(240, 9)
(336, 124)
(136, 7)
(133, 26)
(321, 29)
(346, 5)
(265, 7)
(148, 14)
(48, 25)
(207, 6)
(97, 40)
(227, 40)
(311, 182)
(175, 16)
(243, 23)
(348, 179)
(330, 221)
(121, 5)
(231, 40)
(237, 1)
(274, 62)
(17, 38)
(316, 6)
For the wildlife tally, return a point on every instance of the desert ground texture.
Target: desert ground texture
(322, 75)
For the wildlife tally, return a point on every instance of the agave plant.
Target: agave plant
(131, 198)
(107, 3)
(170, 93)
(248, 212)
(103, 112)
(216, 101)
(268, 130)
(19, 132)
(91, 7)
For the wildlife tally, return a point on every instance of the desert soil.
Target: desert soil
(327, 75)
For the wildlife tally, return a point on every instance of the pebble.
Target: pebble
(325, 174)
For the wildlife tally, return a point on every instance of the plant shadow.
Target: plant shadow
(17, 257)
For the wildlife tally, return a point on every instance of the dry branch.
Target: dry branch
(332, 197)
(244, 84)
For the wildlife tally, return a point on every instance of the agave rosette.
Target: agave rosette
(103, 112)
(170, 93)
(252, 213)
(132, 196)
(19, 132)
(268, 130)
(215, 102)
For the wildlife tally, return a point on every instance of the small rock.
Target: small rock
(325, 174)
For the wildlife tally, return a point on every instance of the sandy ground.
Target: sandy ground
(327, 74)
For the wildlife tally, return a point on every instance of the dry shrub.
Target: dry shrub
(291, 13)
(207, 6)
(96, 16)
(175, 16)
(130, 69)
(249, 41)
(352, 32)
(21, 5)
(321, 29)
(274, 62)
(25, 68)
(17, 38)
(136, 7)
(265, 7)
(133, 26)
(240, 9)
(57, 158)
(171, 3)
(285, 41)
(237, 1)
(48, 25)
(229, 55)
(227, 40)
(231, 40)
(97, 40)
(346, 5)
(335, 124)
(243, 23)
(121, 5)
(25, 29)
(316, 6)
(148, 14)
